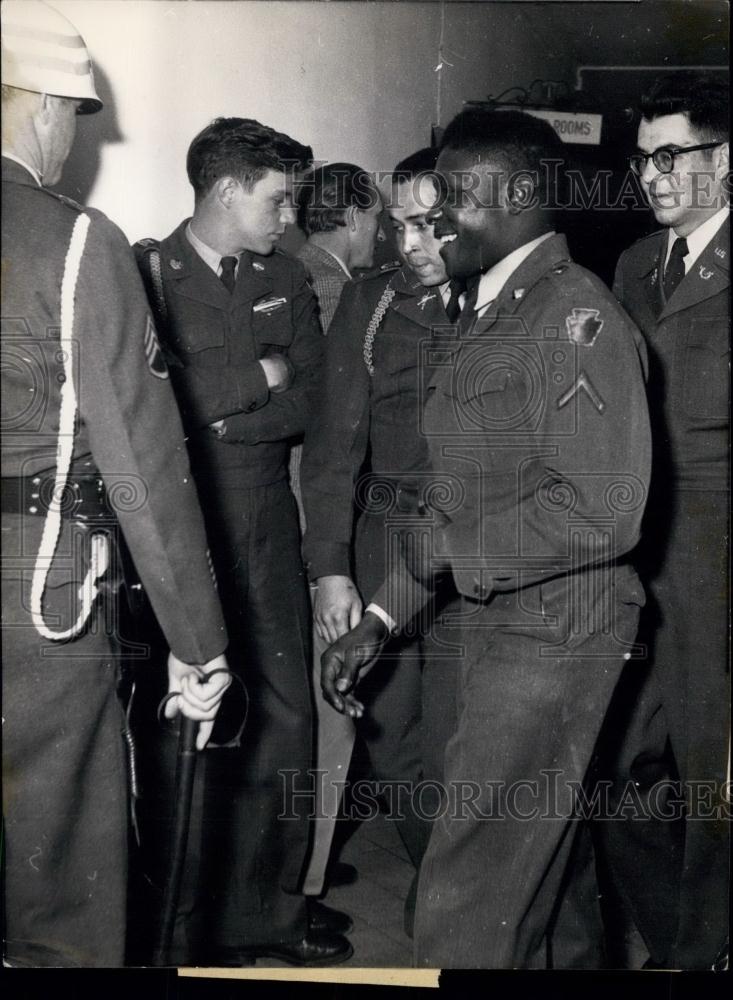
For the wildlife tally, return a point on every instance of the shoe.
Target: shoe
(325, 918)
(316, 949)
(341, 873)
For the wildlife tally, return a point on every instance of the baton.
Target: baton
(185, 770)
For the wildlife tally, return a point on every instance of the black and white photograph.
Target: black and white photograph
(365, 487)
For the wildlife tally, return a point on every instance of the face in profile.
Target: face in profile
(412, 200)
(472, 218)
(262, 213)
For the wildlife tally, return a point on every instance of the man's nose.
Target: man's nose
(381, 235)
(288, 214)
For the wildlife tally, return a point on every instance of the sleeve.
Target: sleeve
(401, 597)
(285, 414)
(336, 442)
(136, 437)
(570, 491)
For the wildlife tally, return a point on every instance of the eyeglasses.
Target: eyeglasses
(663, 158)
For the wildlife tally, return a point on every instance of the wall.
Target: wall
(356, 80)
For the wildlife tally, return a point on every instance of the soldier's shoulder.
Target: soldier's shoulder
(380, 274)
(644, 249)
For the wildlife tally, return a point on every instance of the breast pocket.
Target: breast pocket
(705, 391)
(273, 328)
(199, 344)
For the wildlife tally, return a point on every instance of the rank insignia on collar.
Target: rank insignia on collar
(583, 326)
(425, 299)
(175, 263)
(705, 274)
(257, 266)
(518, 293)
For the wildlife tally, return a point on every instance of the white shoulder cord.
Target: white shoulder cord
(64, 454)
(368, 350)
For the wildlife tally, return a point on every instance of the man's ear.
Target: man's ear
(227, 189)
(722, 166)
(521, 192)
(351, 218)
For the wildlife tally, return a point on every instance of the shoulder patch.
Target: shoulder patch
(583, 326)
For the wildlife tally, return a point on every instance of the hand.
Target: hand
(338, 607)
(350, 658)
(279, 372)
(198, 698)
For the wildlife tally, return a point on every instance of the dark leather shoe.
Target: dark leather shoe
(325, 918)
(316, 949)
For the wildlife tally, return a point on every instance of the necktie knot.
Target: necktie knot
(228, 267)
(674, 272)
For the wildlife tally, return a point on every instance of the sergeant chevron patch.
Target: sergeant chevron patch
(153, 353)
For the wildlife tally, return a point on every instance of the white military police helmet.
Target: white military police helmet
(43, 52)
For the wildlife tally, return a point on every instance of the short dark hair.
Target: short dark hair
(416, 164)
(517, 140)
(703, 98)
(241, 148)
(327, 192)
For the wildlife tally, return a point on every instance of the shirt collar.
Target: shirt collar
(496, 277)
(698, 238)
(31, 170)
(210, 257)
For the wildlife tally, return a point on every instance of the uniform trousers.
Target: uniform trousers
(64, 775)
(538, 673)
(673, 876)
(254, 840)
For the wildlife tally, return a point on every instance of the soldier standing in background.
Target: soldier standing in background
(675, 284)
(87, 405)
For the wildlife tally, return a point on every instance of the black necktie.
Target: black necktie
(228, 267)
(453, 306)
(674, 272)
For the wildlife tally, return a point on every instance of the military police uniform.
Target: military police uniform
(64, 771)
(537, 427)
(679, 893)
(215, 339)
(364, 441)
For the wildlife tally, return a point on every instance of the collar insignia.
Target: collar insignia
(425, 299)
(720, 252)
(518, 293)
(257, 266)
(175, 263)
(704, 273)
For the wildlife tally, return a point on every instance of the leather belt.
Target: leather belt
(84, 497)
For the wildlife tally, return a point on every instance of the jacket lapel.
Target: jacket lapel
(417, 303)
(708, 276)
(189, 276)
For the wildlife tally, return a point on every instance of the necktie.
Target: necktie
(453, 306)
(674, 272)
(228, 266)
(468, 313)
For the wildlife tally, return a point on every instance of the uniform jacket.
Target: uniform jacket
(538, 432)
(689, 351)
(215, 340)
(326, 277)
(360, 414)
(129, 427)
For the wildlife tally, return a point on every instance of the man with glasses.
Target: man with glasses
(674, 284)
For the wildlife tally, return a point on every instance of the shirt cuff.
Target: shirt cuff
(383, 616)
